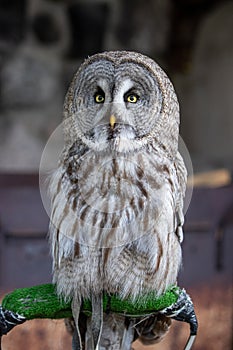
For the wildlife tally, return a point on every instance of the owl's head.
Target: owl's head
(121, 101)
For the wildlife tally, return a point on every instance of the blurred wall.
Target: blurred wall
(42, 42)
(206, 92)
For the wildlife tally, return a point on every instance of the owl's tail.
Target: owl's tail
(76, 307)
(94, 325)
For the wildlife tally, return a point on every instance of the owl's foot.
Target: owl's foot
(8, 320)
(183, 310)
(153, 328)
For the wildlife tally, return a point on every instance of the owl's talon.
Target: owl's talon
(8, 320)
(183, 310)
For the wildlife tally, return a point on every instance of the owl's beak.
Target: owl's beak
(112, 121)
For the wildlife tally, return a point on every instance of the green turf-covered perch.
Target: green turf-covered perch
(43, 302)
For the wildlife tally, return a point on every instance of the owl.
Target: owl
(117, 193)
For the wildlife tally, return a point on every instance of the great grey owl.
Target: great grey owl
(117, 194)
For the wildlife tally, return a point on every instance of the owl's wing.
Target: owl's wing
(180, 189)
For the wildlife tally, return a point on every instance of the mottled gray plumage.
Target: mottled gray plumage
(117, 195)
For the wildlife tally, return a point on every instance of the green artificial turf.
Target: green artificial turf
(42, 302)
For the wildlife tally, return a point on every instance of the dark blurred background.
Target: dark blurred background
(42, 43)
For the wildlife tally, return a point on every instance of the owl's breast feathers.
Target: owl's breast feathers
(114, 217)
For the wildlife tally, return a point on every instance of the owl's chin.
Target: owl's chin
(117, 145)
(121, 139)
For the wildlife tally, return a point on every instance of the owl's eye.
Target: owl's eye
(131, 98)
(99, 98)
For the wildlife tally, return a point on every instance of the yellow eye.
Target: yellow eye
(132, 98)
(99, 98)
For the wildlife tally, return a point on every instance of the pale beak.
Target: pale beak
(112, 121)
